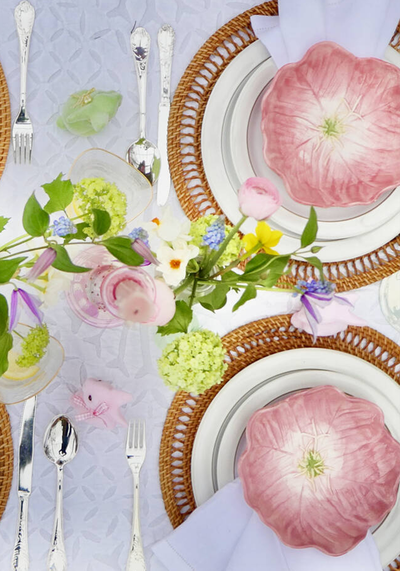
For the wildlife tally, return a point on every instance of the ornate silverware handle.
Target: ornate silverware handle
(20, 560)
(57, 560)
(166, 40)
(140, 45)
(24, 17)
(136, 561)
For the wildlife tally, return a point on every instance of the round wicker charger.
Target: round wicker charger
(244, 346)
(6, 458)
(5, 121)
(184, 149)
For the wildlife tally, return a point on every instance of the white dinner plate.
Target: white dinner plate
(219, 440)
(232, 152)
(389, 297)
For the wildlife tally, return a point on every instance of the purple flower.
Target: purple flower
(42, 264)
(63, 226)
(215, 234)
(141, 248)
(30, 303)
(140, 233)
(317, 294)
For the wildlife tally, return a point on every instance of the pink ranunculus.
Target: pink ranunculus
(334, 317)
(134, 296)
(165, 302)
(258, 198)
(331, 127)
(320, 468)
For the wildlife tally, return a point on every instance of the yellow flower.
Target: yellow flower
(264, 236)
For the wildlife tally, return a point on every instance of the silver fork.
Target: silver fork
(22, 133)
(135, 454)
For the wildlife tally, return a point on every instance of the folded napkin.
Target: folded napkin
(363, 27)
(225, 534)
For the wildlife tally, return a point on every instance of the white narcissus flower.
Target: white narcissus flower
(168, 228)
(173, 261)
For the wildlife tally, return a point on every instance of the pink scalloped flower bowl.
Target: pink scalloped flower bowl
(331, 127)
(320, 469)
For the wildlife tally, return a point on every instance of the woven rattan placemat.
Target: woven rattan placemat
(5, 121)
(6, 458)
(184, 148)
(244, 346)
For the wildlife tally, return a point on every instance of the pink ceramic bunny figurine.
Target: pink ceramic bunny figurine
(98, 404)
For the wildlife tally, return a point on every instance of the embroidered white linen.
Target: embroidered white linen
(364, 27)
(225, 534)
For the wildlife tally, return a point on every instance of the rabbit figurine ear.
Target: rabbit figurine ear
(98, 403)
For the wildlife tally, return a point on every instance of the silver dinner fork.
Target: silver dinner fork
(135, 454)
(22, 133)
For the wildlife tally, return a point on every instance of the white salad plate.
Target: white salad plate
(344, 232)
(220, 438)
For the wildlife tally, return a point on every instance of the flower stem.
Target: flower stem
(243, 286)
(184, 285)
(12, 243)
(214, 259)
(44, 248)
(192, 295)
(253, 250)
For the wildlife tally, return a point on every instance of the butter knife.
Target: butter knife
(166, 40)
(20, 560)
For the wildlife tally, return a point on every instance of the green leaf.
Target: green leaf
(3, 314)
(63, 262)
(180, 322)
(35, 219)
(60, 192)
(8, 268)
(258, 263)
(278, 264)
(101, 222)
(249, 293)
(316, 262)
(216, 299)
(3, 222)
(79, 235)
(121, 248)
(310, 230)
(231, 277)
(192, 267)
(316, 249)
(6, 342)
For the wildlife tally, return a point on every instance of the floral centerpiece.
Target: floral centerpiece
(163, 269)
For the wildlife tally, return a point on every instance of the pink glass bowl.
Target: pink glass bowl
(331, 127)
(320, 469)
(84, 296)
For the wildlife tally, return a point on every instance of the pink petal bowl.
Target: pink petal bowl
(331, 127)
(320, 469)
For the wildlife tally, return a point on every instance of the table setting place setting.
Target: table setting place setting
(200, 285)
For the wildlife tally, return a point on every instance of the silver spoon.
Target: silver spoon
(143, 154)
(60, 446)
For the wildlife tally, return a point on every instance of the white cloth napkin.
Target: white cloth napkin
(225, 534)
(363, 27)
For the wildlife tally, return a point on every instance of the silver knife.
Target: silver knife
(166, 40)
(20, 560)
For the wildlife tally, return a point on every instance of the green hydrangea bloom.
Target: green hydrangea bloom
(199, 228)
(33, 347)
(193, 362)
(97, 193)
(87, 112)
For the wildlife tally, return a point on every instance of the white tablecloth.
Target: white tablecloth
(78, 45)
